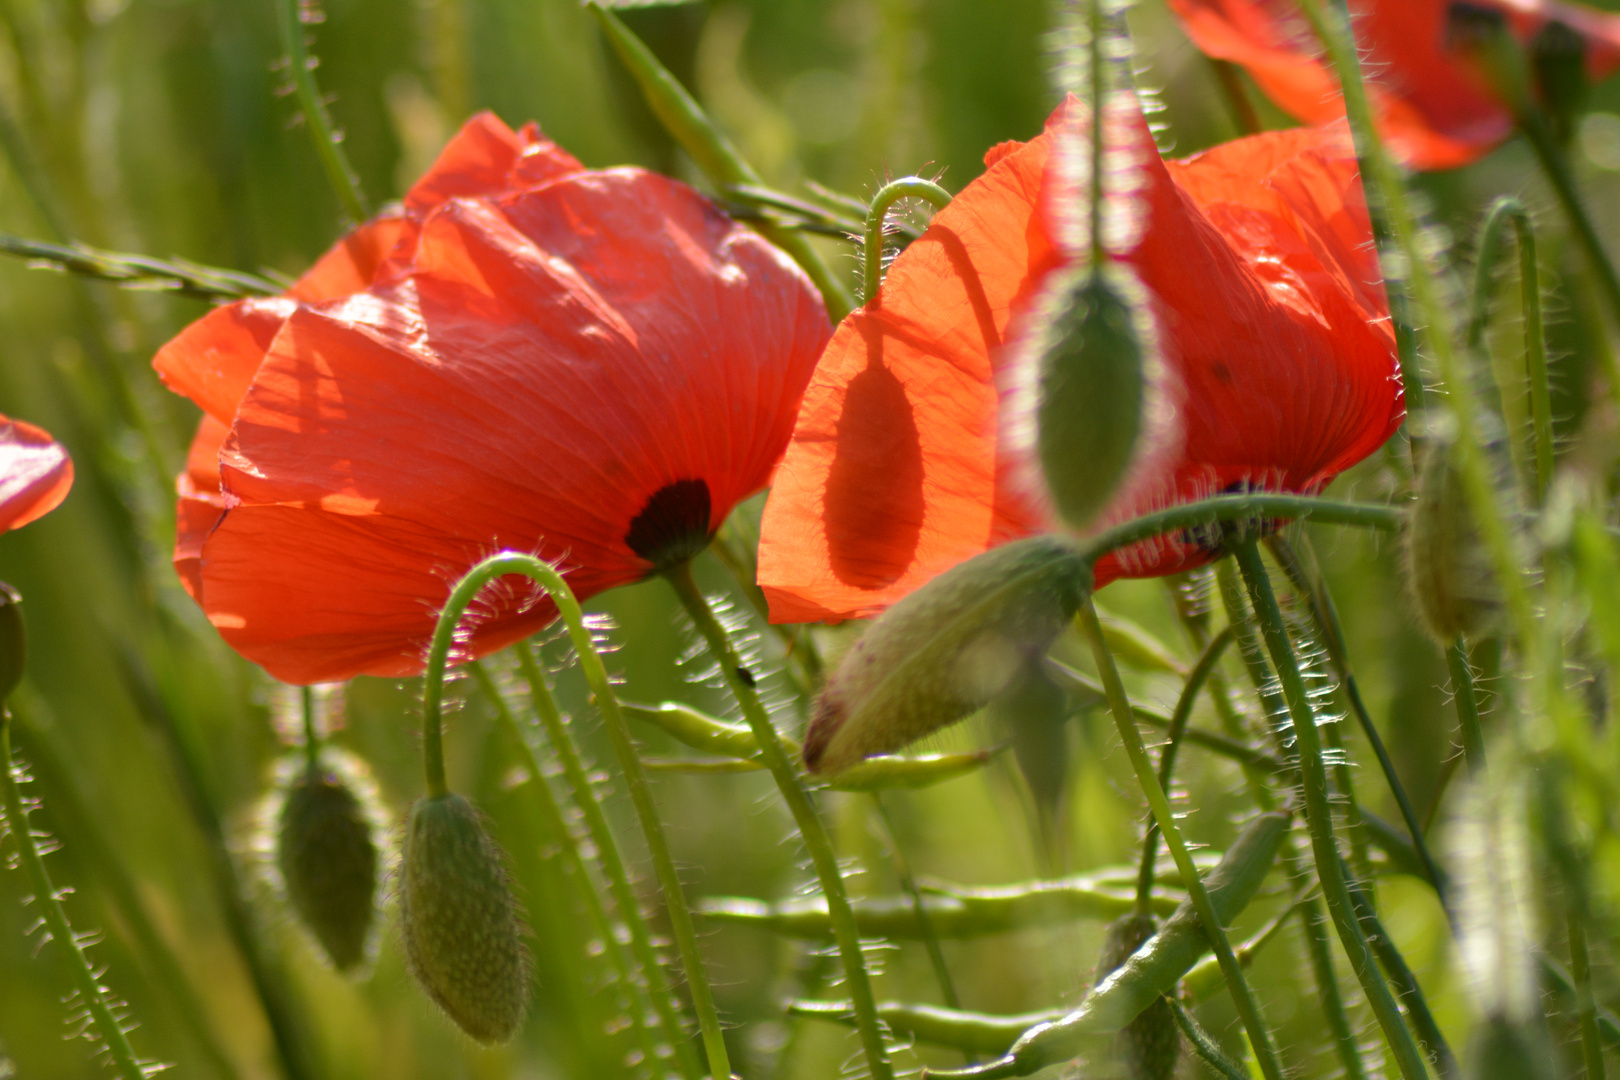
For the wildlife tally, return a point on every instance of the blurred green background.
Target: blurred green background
(158, 126)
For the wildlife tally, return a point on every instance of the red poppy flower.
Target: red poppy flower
(35, 473)
(591, 365)
(1259, 260)
(1432, 106)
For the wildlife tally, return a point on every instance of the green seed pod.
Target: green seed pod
(459, 920)
(13, 641)
(327, 854)
(945, 650)
(1150, 1045)
(1083, 378)
(1448, 568)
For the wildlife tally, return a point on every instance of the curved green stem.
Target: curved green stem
(574, 862)
(1504, 212)
(1556, 165)
(1319, 814)
(1242, 996)
(1208, 1051)
(608, 855)
(549, 579)
(328, 146)
(1213, 651)
(811, 829)
(687, 123)
(46, 896)
(878, 215)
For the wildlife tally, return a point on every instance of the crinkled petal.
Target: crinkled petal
(35, 473)
(555, 359)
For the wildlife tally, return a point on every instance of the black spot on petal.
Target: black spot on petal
(673, 525)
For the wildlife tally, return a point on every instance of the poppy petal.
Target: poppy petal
(35, 473)
(530, 385)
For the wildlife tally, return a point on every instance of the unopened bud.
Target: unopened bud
(460, 922)
(1083, 380)
(13, 641)
(1448, 568)
(1150, 1045)
(327, 853)
(1558, 56)
(945, 650)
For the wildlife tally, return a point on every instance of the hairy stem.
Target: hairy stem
(328, 144)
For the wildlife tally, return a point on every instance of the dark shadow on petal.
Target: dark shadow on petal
(874, 509)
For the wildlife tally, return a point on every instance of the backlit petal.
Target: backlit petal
(35, 473)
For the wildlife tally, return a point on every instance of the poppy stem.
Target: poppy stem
(1159, 803)
(1507, 211)
(907, 187)
(1330, 869)
(312, 738)
(1213, 651)
(691, 127)
(822, 856)
(328, 142)
(551, 581)
(608, 855)
(1556, 165)
(96, 998)
(633, 1001)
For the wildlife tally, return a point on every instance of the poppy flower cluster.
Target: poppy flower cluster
(35, 473)
(1258, 258)
(592, 365)
(1433, 104)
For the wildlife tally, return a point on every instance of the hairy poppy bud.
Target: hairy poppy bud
(945, 650)
(13, 641)
(460, 922)
(328, 858)
(1082, 379)
(1151, 1044)
(1448, 568)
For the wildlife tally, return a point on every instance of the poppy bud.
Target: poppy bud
(1084, 378)
(13, 641)
(945, 650)
(459, 920)
(1448, 568)
(1150, 1044)
(328, 860)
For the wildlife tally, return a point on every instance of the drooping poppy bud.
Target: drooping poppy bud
(1448, 568)
(1150, 1045)
(459, 920)
(945, 650)
(327, 852)
(1084, 381)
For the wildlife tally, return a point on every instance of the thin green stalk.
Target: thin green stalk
(1504, 212)
(1213, 651)
(1097, 97)
(556, 825)
(46, 897)
(1313, 921)
(936, 955)
(138, 271)
(811, 829)
(328, 145)
(1462, 689)
(1319, 814)
(312, 737)
(1208, 1051)
(1331, 23)
(549, 579)
(889, 194)
(687, 123)
(1242, 996)
(1313, 586)
(1580, 970)
(1405, 985)
(1556, 165)
(608, 855)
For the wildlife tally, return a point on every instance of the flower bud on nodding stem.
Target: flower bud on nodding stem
(1448, 568)
(945, 650)
(1151, 1044)
(459, 920)
(13, 641)
(328, 859)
